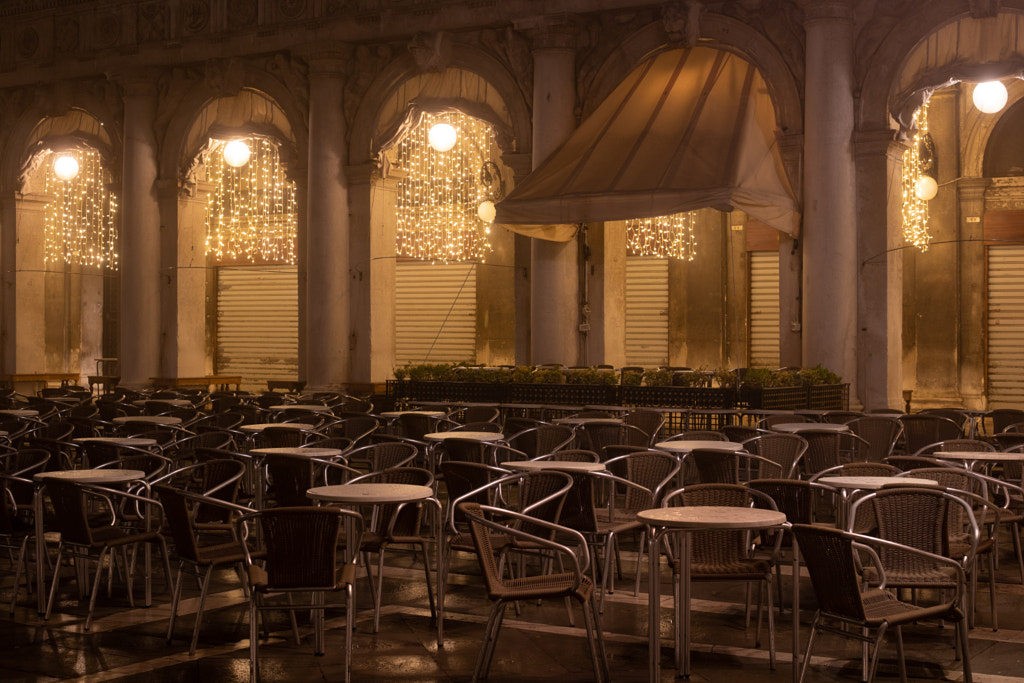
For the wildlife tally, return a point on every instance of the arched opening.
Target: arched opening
(68, 252)
(239, 311)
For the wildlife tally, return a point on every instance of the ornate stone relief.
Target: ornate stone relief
(154, 22)
(682, 22)
(66, 37)
(106, 30)
(367, 62)
(28, 42)
(242, 13)
(432, 52)
(195, 15)
(512, 49)
(291, 9)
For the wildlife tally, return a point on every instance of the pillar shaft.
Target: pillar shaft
(829, 230)
(555, 291)
(328, 325)
(140, 239)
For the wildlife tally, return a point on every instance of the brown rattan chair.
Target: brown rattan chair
(784, 449)
(84, 536)
(922, 429)
(573, 582)
(847, 609)
(301, 547)
(541, 439)
(182, 510)
(881, 432)
(726, 554)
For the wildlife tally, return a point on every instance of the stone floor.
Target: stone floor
(538, 645)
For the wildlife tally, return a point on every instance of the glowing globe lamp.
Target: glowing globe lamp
(236, 153)
(989, 97)
(441, 137)
(926, 188)
(65, 167)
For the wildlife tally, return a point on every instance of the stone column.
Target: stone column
(372, 276)
(555, 290)
(880, 277)
(972, 257)
(25, 276)
(187, 280)
(328, 226)
(829, 234)
(140, 236)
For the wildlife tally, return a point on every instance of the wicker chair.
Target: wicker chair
(574, 583)
(182, 510)
(381, 456)
(922, 429)
(725, 554)
(846, 609)
(713, 466)
(301, 549)
(651, 421)
(85, 537)
(784, 449)
(542, 439)
(16, 529)
(881, 433)
(396, 525)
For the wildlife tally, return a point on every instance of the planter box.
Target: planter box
(820, 397)
(563, 394)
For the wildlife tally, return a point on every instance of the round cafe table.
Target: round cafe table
(102, 477)
(304, 407)
(559, 465)
(475, 436)
(849, 484)
(662, 521)
(137, 441)
(160, 420)
(797, 427)
(682, 446)
(259, 427)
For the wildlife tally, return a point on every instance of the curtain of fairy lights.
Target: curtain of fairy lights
(252, 215)
(915, 209)
(80, 222)
(663, 236)
(437, 200)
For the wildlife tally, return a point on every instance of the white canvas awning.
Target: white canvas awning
(688, 129)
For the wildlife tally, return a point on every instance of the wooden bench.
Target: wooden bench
(38, 380)
(220, 382)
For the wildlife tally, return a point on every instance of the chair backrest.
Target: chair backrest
(300, 545)
(513, 424)
(470, 414)
(793, 497)
(768, 421)
(858, 469)
(184, 509)
(596, 435)
(830, 559)
(1001, 418)
(840, 416)
(651, 421)
(653, 470)
(824, 450)
(882, 433)
(922, 429)
(464, 479)
(70, 512)
(740, 433)
(357, 428)
(383, 455)
(541, 439)
(282, 437)
(288, 477)
(718, 546)
(784, 449)
(571, 455)
(465, 450)
(974, 445)
(920, 517)
(415, 425)
(398, 519)
(954, 414)
(699, 435)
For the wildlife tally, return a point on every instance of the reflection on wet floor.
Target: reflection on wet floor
(538, 644)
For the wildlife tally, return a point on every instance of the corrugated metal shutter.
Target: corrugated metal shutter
(764, 309)
(435, 312)
(1006, 326)
(646, 311)
(258, 324)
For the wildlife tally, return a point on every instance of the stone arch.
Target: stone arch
(62, 118)
(928, 49)
(186, 98)
(723, 33)
(373, 124)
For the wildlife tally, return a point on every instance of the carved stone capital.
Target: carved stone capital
(555, 32)
(826, 10)
(136, 82)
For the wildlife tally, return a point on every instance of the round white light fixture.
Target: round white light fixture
(65, 167)
(486, 211)
(236, 153)
(989, 97)
(441, 137)
(926, 188)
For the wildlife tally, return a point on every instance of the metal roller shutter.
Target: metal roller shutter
(258, 324)
(1006, 326)
(646, 311)
(764, 309)
(435, 312)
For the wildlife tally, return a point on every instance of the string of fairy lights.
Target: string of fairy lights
(663, 236)
(439, 210)
(915, 207)
(80, 222)
(252, 213)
